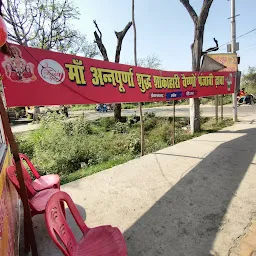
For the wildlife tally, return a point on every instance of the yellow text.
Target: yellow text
(76, 72)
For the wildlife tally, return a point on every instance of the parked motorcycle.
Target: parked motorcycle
(110, 106)
(104, 107)
(101, 108)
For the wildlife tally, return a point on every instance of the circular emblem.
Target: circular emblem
(51, 71)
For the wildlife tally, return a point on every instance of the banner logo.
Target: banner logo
(51, 71)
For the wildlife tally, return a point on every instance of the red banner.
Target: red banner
(35, 77)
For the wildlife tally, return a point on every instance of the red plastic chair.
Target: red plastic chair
(98, 241)
(41, 182)
(37, 199)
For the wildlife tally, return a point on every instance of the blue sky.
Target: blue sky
(164, 28)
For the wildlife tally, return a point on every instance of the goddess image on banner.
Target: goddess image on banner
(17, 69)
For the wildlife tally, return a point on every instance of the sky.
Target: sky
(165, 29)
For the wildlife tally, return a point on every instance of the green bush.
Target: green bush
(106, 123)
(165, 133)
(150, 121)
(149, 115)
(149, 124)
(26, 146)
(78, 127)
(68, 146)
(121, 127)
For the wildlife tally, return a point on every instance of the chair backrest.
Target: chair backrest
(57, 225)
(25, 158)
(11, 173)
(25, 172)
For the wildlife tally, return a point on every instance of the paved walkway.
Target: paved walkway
(196, 198)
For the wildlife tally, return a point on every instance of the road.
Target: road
(181, 111)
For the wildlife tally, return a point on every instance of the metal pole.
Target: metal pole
(173, 124)
(233, 49)
(142, 139)
(221, 108)
(216, 108)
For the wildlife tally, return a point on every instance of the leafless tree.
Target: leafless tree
(197, 51)
(98, 40)
(151, 61)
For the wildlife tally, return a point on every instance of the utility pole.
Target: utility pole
(233, 50)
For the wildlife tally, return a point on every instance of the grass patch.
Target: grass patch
(94, 169)
(83, 107)
(80, 148)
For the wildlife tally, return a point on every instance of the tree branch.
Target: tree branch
(98, 41)
(204, 12)
(212, 49)
(37, 21)
(96, 25)
(120, 36)
(60, 13)
(11, 18)
(190, 10)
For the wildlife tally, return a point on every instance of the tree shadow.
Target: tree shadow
(45, 245)
(186, 220)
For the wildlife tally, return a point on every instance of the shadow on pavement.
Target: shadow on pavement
(185, 220)
(45, 245)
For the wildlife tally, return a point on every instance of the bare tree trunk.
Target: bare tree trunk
(196, 48)
(120, 36)
(194, 115)
(118, 111)
(36, 113)
(197, 51)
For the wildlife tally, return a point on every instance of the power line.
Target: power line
(252, 46)
(243, 38)
(239, 37)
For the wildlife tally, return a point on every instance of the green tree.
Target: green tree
(150, 61)
(250, 76)
(249, 80)
(46, 24)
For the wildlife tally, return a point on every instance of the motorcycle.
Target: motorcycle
(101, 108)
(247, 100)
(104, 107)
(110, 106)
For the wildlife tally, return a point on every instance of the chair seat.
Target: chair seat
(41, 198)
(46, 181)
(102, 241)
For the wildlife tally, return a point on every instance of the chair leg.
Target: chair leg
(63, 208)
(26, 237)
